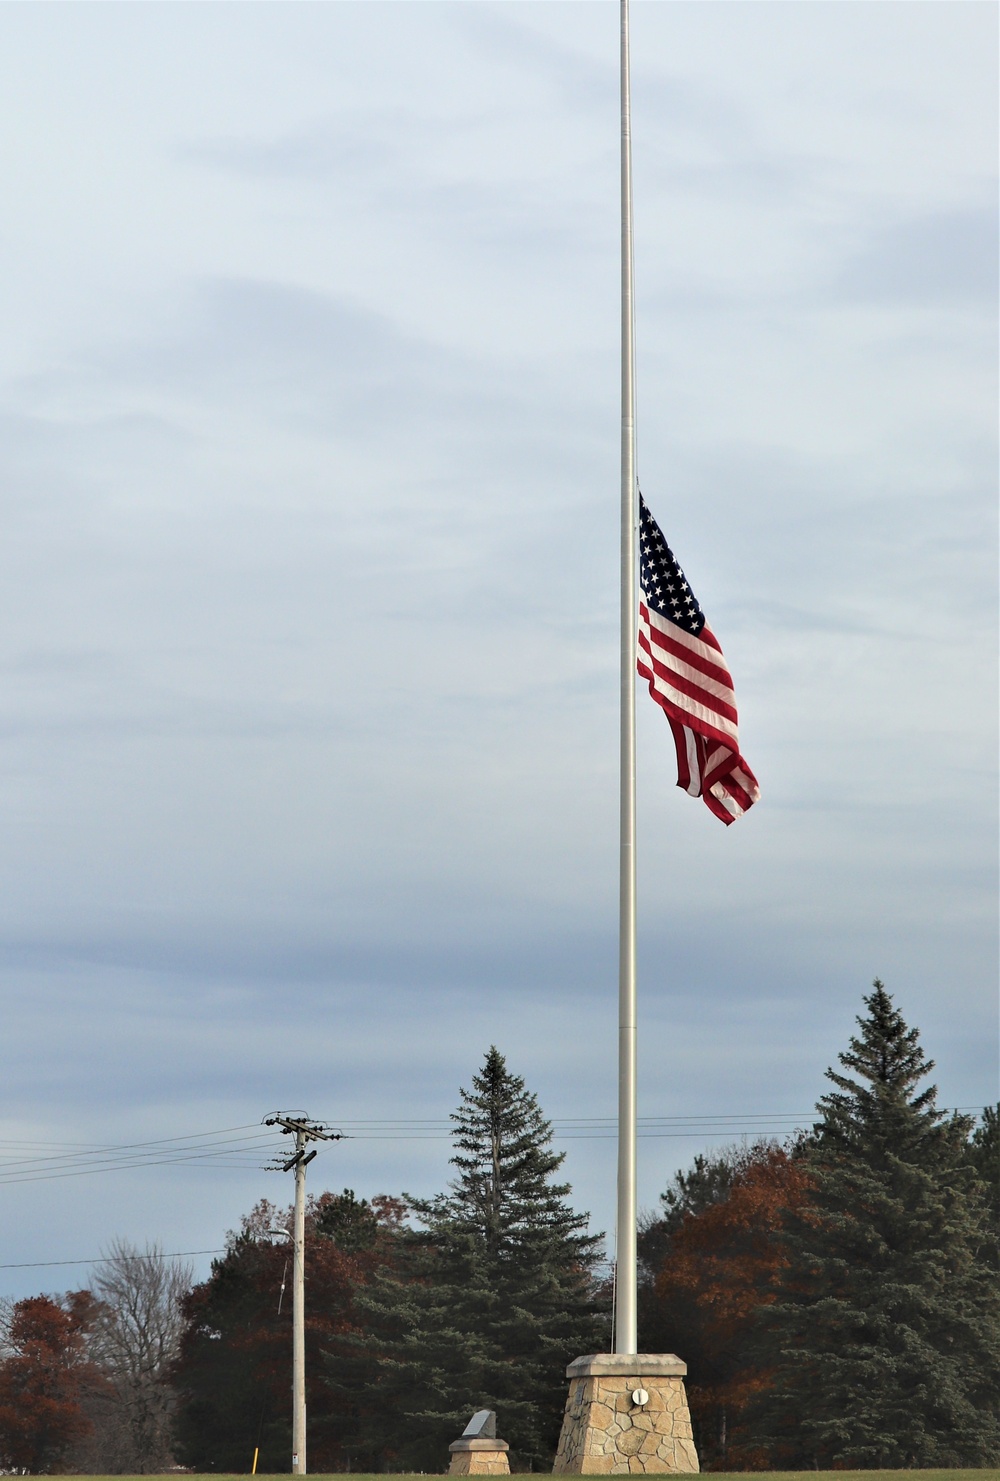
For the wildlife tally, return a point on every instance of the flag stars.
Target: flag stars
(663, 582)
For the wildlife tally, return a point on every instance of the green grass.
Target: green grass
(986, 1473)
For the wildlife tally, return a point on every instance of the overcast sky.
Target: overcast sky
(308, 606)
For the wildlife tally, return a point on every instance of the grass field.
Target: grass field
(986, 1473)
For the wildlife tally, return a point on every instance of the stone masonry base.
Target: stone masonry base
(606, 1432)
(475, 1457)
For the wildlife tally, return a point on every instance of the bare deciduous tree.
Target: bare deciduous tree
(134, 1341)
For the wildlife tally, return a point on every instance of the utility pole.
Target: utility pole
(304, 1131)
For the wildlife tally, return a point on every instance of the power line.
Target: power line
(195, 1164)
(109, 1259)
(207, 1148)
(167, 1143)
(583, 1128)
(222, 1148)
(86, 1148)
(226, 1148)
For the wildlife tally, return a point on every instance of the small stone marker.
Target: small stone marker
(477, 1451)
(482, 1425)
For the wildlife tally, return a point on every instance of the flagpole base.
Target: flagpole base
(626, 1414)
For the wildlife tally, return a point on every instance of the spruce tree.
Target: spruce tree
(489, 1299)
(984, 1149)
(885, 1340)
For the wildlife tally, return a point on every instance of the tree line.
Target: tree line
(835, 1297)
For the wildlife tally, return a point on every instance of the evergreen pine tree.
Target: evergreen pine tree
(488, 1301)
(885, 1339)
(985, 1152)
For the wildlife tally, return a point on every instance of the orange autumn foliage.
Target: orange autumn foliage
(44, 1377)
(722, 1266)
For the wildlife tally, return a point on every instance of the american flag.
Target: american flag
(680, 656)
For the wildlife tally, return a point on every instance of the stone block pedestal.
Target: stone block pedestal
(626, 1414)
(478, 1457)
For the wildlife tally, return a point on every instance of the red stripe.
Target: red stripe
(680, 745)
(719, 765)
(675, 661)
(742, 799)
(667, 639)
(715, 806)
(744, 777)
(728, 767)
(684, 717)
(692, 651)
(719, 762)
(693, 691)
(706, 636)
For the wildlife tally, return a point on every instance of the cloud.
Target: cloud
(949, 257)
(308, 604)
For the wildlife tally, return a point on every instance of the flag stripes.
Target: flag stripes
(681, 660)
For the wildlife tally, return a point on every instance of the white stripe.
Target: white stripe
(687, 640)
(687, 671)
(729, 803)
(719, 754)
(689, 706)
(694, 785)
(739, 776)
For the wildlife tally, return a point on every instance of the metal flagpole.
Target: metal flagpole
(625, 1336)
